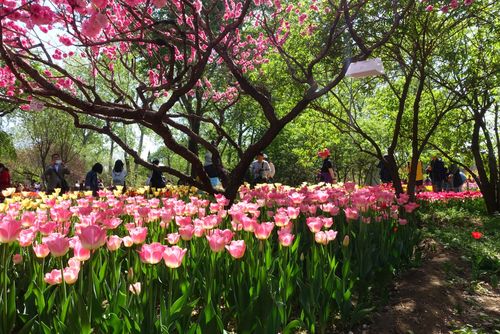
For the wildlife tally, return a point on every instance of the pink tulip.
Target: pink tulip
(314, 223)
(58, 244)
(92, 236)
(320, 238)
(281, 219)
(80, 253)
(173, 256)
(173, 238)
(263, 231)
(292, 212)
(70, 275)
(350, 186)
(216, 241)
(236, 248)
(331, 235)
(285, 238)
(54, 277)
(74, 263)
(17, 258)
(26, 237)
(28, 218)
(403, 221)
(351, 213)
(186, 232)
(138, 234)
(114, 242)
(9, 230)
(135, 288)
(328, 222)
(152, 253)
(127, 241)
(41, 250)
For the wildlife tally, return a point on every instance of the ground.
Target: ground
(439, 296)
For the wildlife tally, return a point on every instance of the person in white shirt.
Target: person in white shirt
(118, 174)
(260, 169)
(272, 169)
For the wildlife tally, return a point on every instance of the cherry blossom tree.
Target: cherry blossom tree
(139, 61)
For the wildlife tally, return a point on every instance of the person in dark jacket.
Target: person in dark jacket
(437, 173)
(385, 173)
(156, 180)
(91, 180)
(4, 177)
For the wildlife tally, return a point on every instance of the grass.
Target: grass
(453, 222)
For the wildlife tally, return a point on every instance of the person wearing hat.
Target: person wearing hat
(327, 172)
(260, 169)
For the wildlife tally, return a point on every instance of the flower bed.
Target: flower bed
(278, 259)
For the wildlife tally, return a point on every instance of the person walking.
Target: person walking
(91, 179)
(54, 175)
(327, 172)
(118, 174)
(156, 179)
(4, 177)
(419, 176)
(260, 169)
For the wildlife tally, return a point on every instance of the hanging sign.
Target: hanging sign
(365, 68)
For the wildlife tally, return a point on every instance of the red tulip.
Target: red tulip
(92, 236)
(477, 235)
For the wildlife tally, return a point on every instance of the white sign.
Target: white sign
(365, 68)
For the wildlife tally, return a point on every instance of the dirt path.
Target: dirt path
(438, 297)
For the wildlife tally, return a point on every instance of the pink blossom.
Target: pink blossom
(54, 277)
(58, 244)
(186, 232)
(403, 221)
(314, 223)
(114, 242)
(41, 250)
(138, 234)
(70, 275)
(236, 248)
(17, 258)
(320, 238)
(173, 256)
(285, 238)
(216, 241)
(9, 230)
(331, 235)
(100, 3)
(152, 253)
(173, 238)
(92, 236)
(351, 213)
(429, 8)
(263, 231)
(81, 253)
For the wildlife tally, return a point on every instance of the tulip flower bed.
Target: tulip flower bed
(278, 259)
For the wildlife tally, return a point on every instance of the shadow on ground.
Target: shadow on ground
(437, 297)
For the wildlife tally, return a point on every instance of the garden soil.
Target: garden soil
(437, 297)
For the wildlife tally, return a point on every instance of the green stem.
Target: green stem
(4, 280)
(170, 284)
